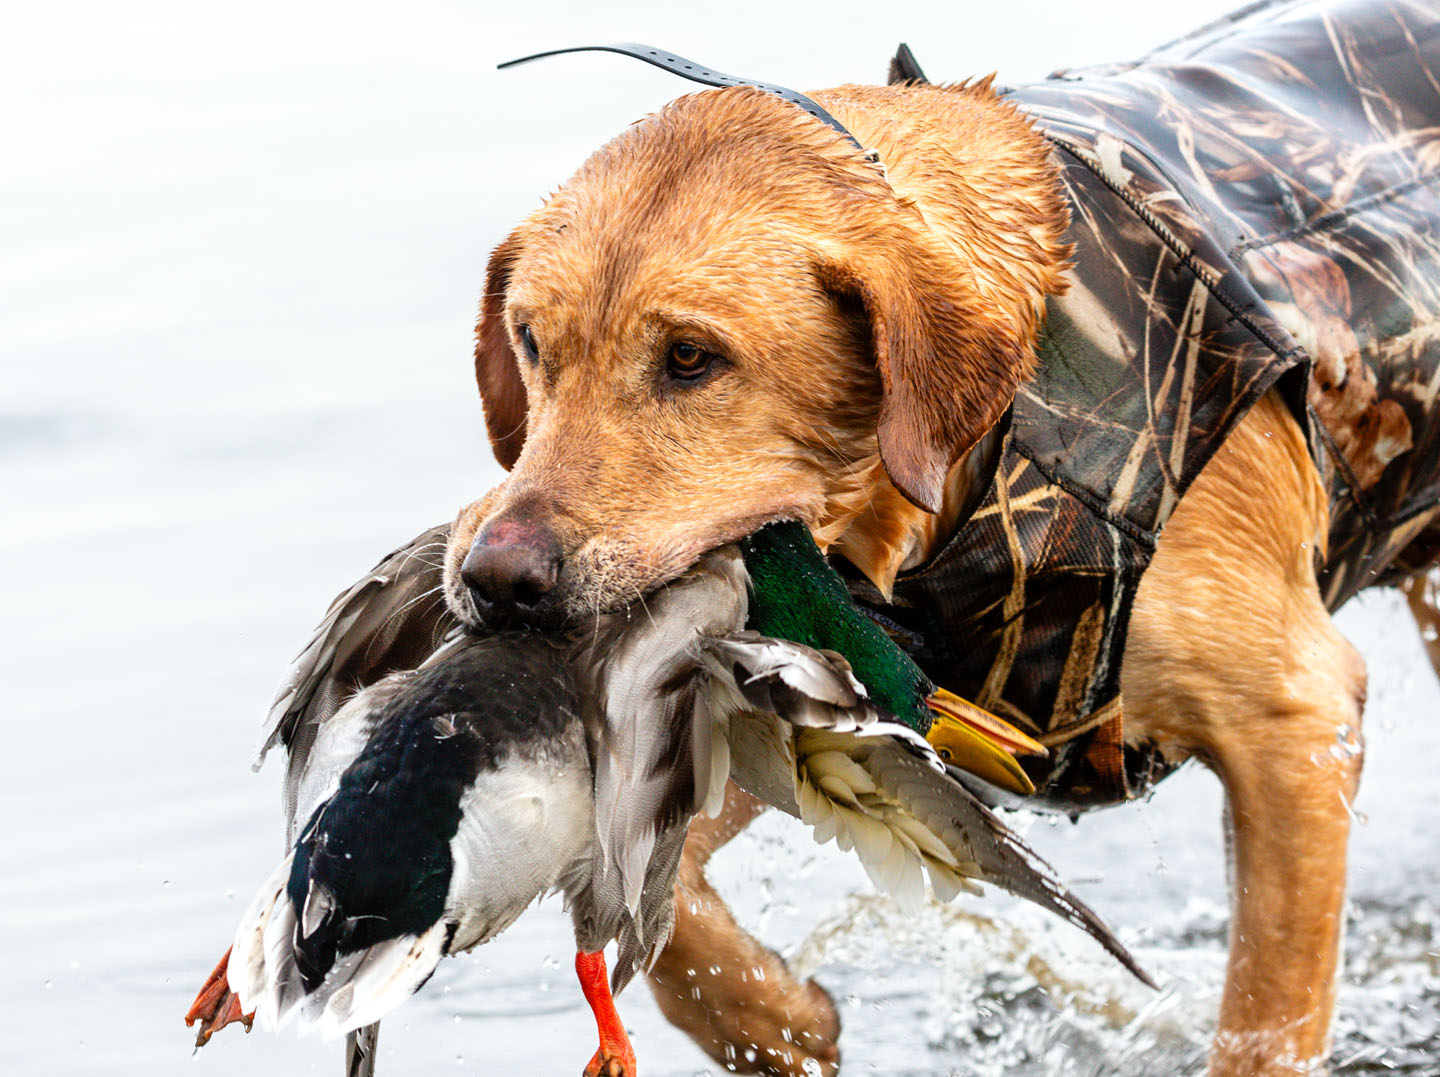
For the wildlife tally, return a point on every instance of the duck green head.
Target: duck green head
(795, 595)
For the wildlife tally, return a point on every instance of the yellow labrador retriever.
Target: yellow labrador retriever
(1105, 392)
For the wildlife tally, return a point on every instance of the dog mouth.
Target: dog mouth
(604, 576)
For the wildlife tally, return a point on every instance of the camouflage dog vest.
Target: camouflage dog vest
(1253, 207)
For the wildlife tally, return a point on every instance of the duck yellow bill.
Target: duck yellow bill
(973, 739)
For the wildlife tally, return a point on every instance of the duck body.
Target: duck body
(437, 805)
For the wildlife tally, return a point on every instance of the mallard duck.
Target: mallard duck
(535, 763)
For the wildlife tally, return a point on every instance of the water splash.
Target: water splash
(1018, 994)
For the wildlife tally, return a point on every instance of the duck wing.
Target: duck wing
(467, 795)
(391, 619)
(803, 736)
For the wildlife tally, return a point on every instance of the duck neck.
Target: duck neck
(795, 595)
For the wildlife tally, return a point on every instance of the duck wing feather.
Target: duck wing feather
(391, 619)
(797, 716)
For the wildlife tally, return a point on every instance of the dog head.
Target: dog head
(727, 317)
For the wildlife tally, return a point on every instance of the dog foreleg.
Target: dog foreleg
(726, 991)
(1233, 658)
(1288, 793)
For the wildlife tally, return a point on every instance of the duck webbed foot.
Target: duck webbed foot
(615, 1058)
(216, 1006)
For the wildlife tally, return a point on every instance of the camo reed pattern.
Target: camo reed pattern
(1253, 206)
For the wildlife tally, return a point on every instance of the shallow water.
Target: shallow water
(239, 260)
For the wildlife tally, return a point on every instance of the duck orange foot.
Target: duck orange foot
(611, 1066)
(615, 1058)
(216, 1006)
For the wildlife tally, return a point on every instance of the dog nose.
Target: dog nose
(512, 565)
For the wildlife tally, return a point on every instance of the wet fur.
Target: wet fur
(874, 326)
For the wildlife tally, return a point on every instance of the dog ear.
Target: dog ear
(502, 393)
(949, 359)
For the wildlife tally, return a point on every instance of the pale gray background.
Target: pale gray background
(240, 250)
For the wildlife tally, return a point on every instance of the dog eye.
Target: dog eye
(527, 338)
(688, 360)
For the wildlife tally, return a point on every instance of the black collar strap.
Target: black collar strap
(668, 61)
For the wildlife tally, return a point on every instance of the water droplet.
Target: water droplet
(1357, 817)
(165, 885)
(49, 984)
